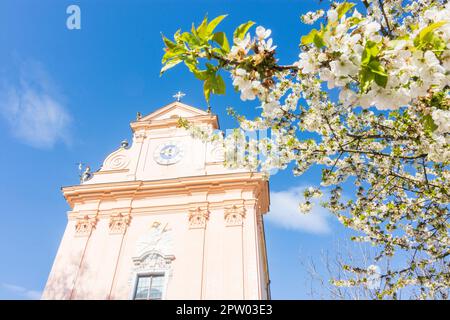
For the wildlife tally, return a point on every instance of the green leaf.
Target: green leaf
(438, 100)
(309, 38)
(314, 36)
(428, 123)
(426, 34)
(365, 78)
(318, 40)
(186, 37)
(372, 70)
(170, 64)
(343, 8)
(219, 85)
(192, 40)
(222, 40)
(172, 53)
(214, 22)
(213, 82)
(365, 57)
(438, 44)
(193, 30)
(207, 90)
(169, 44)
(371, 50)
(200, 74)
(211, 68)
(377, 68)
(381, 80)
(191, 64)
(240, 31)
(202, 28)
(373, 47)
(354, 20)
(177, 35)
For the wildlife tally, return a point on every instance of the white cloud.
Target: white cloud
(284, 212)
(25, 293)
(33, 107)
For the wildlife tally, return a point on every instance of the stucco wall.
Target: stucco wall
(196, 221)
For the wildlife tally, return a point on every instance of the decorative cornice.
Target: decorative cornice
(110, 171)
(234, 216)
(167, 208)
(177, 186)
(152, 260)
(173, 122)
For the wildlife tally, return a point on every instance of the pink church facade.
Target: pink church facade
(164, 219)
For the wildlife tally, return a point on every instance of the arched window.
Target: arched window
(152, 264)
(151, 274)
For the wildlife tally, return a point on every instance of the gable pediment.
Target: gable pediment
(169, 115)
(174, 110)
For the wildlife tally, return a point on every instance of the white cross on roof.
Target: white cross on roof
(179, 95)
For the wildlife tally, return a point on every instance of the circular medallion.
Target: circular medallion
(168, 153)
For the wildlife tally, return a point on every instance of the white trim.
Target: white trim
(139, 271)
(156, 272)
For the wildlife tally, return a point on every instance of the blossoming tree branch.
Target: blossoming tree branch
(385, 134)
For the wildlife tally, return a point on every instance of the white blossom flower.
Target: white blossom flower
(442, 120)
(305, 207)
(322, 57)
(262, 33)
(332, 15)
(312, 16)
(271, 107)
(374, 277)
(250, 90)
(266, 45)
(430, 59)
(344, 67)
(307, 62)
(240, 48)
(371, 28)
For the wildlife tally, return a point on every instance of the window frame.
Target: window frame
(139, 275)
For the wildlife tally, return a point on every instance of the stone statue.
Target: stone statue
(86, 175)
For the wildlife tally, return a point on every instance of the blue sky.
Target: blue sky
(79, 89)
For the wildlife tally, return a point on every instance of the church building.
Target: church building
(164, 219)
